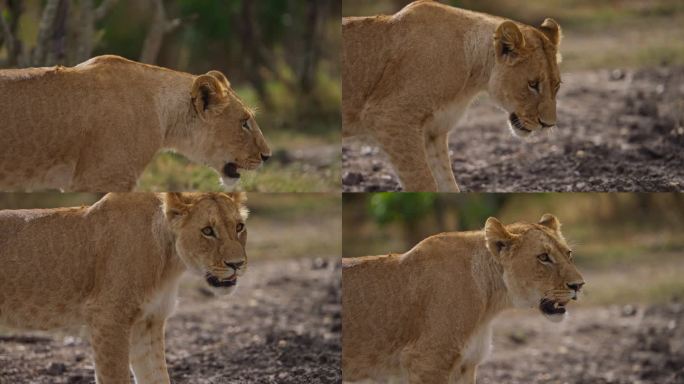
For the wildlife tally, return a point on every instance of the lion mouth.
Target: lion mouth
(221, 283)
(518, 125)
(231, 170)
(552, 307)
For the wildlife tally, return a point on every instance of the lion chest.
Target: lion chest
(445, 118)
(478, 345)
(162, 302)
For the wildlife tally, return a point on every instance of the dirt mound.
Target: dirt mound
(617, 131)
(282, 326)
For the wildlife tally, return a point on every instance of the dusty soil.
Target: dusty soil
(282, 326)
(620, 130)
(616, 345)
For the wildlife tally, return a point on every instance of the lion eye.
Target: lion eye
(544, 258)
(208, 231)
(534, 85)
(245, 124)
(239, 227)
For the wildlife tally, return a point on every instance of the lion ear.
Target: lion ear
(497, 237)
(240, 198)
(552, 31)
(509, 42)
(220, 77)
(175, 205)
(550, 221)
(208, 96)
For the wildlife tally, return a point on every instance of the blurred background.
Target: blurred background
(621, 237)
(281, 57)
(313, 219)
(283, 320)
(627, 327)
(598, 34)
(620, 107)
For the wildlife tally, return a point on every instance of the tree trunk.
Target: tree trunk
(10, 39)
(250, 46)
(45, 30)
(315, 23)
(86, 31)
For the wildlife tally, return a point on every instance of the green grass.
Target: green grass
(173, 172)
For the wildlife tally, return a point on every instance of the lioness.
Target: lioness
(115, 268)
(95, 127)
(428, 312)
(408, 78)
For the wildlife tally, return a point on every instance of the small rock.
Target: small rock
(628, 311)
(647, 109)
(352, 178)
(617, 74)
(55, 369)
(319, 263)
(367, 150)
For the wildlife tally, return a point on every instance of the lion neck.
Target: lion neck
(488, 274)
(479, 54)
(171, 264)
(177, 115)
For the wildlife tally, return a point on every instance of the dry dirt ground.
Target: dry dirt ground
(282, 326)
(620, 130)
(598, 345)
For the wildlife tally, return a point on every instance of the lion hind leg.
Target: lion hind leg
(409, 159)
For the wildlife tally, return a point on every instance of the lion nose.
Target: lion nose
(545, 125)
(235, 265)
(576, 286)
(265, 157)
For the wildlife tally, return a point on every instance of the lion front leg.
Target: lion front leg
(110, 342)
(465, 375)
(429, 362)
(147, 352)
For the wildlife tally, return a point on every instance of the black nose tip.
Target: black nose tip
(575, 286)
(235, 265)
(265, 157)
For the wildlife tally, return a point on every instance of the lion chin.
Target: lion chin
(229, 182)
(220, 287)
(553, 310)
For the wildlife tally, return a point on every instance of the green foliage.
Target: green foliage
(388, 207)
(474, 209)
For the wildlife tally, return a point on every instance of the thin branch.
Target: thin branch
(102, 11)
(172, 25)
(159, 27)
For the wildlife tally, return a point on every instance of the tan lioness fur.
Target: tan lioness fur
(427, 313)
(115, 267)
(408, 78)
(95, 127)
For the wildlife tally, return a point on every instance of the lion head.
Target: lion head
(210, 235)
(226, 135)
(538, 268)
(525, 77)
